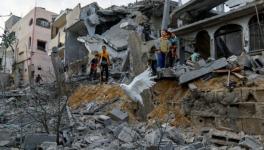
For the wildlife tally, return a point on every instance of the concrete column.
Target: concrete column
(181, 52)
(212, 44)
(245, 35)
(212, 48)
(166, 15)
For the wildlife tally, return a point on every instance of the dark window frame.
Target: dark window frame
(256, 32)
(41, 48)
(30, 22)
(43, 23)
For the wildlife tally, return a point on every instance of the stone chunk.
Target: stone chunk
(175, 136)
(192, 87)
(153, 138)
(127, 135)
(105, 120)
(118, 115)
(129, 25)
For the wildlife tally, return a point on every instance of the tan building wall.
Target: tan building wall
(27, 52)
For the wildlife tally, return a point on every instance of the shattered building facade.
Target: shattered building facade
(32, 35)
(222, 34)
(58, 34)
(216, 34)
(88, 28)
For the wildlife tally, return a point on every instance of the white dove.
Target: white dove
(140, 83)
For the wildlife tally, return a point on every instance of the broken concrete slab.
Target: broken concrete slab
(192, 75)
(117, 38)
(118, 115)
(105, 120)
(129, 25)
(251, 143)
(34, 140)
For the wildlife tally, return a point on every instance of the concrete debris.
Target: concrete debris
(118, 115)
(251, 143)
(33, 141)
(127, 135)
(176, 136)
(189, 76)
(117, 38)
(105, 120)
(48, 146)
(224, 138)
(129, 25)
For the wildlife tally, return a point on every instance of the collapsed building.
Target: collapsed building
(83, 30)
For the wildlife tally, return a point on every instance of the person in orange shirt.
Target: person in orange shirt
(104, 62)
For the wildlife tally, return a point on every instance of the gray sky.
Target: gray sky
(22, 7)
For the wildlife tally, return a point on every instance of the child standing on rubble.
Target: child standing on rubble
(94, 64)
(104, 62)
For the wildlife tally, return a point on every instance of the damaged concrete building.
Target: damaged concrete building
(221, 34)
(216, 34)
(32, 35)
(85, 29)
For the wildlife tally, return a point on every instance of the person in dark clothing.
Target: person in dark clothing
(152, 61)
(94, 64)
(38, 79)
(104, 62)
(146, 32)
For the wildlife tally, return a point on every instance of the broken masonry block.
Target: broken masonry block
(105, 120)
(118, 115)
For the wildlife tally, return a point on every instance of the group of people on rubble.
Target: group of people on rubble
(164, 53)
(101, 60)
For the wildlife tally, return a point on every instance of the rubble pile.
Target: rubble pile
(30, 118)
(108, 128)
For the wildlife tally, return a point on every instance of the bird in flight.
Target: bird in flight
(140, 83)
